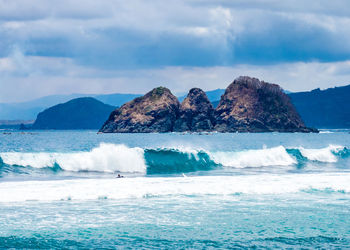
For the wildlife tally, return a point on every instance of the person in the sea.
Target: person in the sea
(120, 176)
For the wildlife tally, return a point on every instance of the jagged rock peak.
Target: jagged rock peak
(250, 105)
(196, 113)
(156, 111)
(194, 99)
(254, 83)
(156, 93)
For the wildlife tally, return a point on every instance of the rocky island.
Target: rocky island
(248, 105)
(156, 111)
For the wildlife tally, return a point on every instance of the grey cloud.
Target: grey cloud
(98, 46)
(63, 76)
(85, 29)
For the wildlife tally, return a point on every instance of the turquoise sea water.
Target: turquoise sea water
(58, 190)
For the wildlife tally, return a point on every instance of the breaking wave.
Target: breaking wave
(105, 158)
(277, 156)
(111, 158)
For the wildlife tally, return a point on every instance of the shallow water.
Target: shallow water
(58, 190)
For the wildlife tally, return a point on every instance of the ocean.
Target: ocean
(58, 189)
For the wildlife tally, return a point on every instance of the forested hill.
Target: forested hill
(329, 108)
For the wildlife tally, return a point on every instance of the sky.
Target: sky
(118, 46)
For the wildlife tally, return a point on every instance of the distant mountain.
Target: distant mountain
(215, 103)
(79, 113)
(15, 124)
(115, 99)
(30, 109)
(328, 108)
(18, 111)
(287, 92)
(213, 95)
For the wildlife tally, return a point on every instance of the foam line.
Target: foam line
(142, 187)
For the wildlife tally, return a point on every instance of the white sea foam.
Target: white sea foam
(322, 154)
(35, 160)
(276, 156)
(141, 187)
(105, 158)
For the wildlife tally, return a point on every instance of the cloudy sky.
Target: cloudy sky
(109, 46)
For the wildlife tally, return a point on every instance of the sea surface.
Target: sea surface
(58, 189)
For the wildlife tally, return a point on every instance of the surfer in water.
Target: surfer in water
(120, 176)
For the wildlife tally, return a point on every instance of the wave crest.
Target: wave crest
(105, 158)
(112, 158)
(276, 156)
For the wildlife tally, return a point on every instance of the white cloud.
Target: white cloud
(63, 76)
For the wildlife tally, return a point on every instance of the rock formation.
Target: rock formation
(154, 112)
(250, 105)
(196, 113)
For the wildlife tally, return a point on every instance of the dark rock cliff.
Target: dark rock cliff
(154, 112)
(196, 113)
(250, 105)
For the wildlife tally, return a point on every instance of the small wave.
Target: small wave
(327, 190)
(328, 154)
(326, 132)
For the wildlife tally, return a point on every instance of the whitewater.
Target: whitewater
(126, 188)
(58, 189)
(112, 158)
